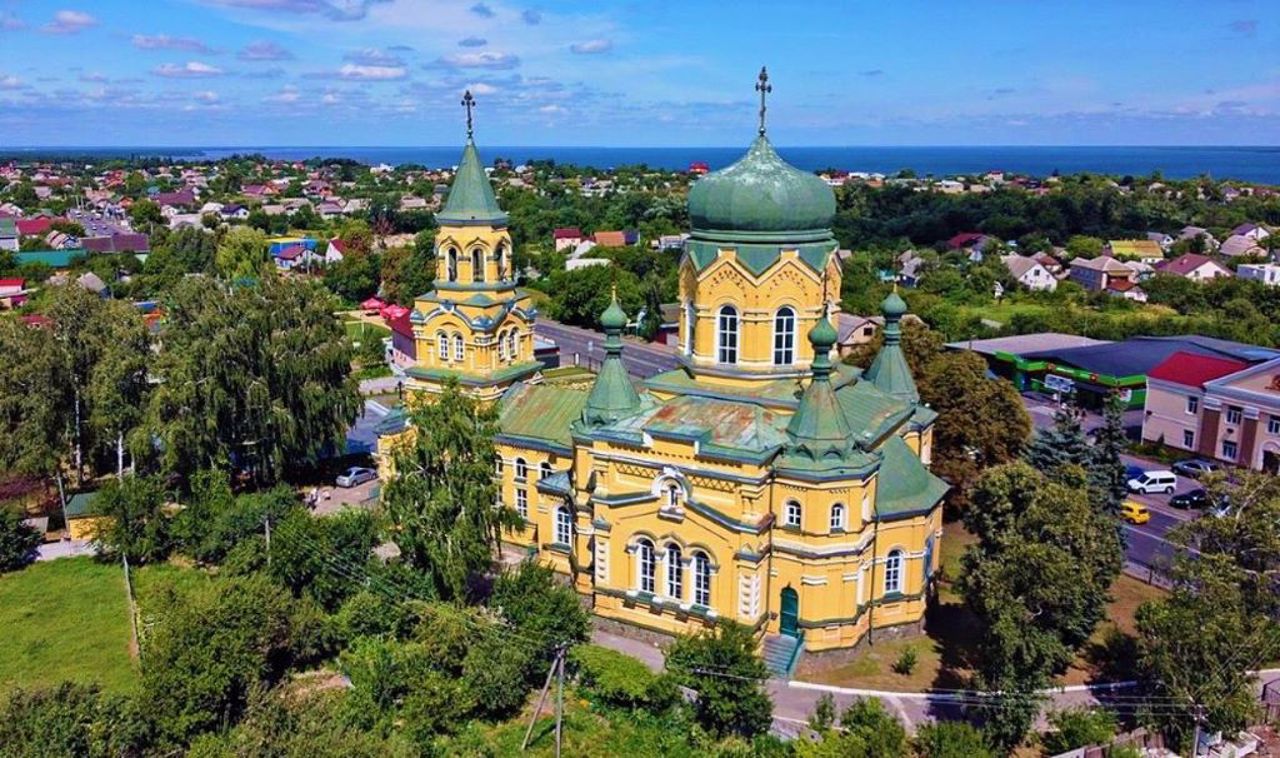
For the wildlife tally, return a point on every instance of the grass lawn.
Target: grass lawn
(944, 654)
(359, 330)
(68, 619)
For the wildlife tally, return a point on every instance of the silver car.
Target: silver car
(355, 476)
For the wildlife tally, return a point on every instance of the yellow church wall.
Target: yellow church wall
(465, 239)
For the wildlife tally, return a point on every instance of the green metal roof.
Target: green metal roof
(473, 379)
(819, 432)
(612, 395)
(541, 412)
(904, 486)
(51, 258)
(81, 505)
(756, 257)
(471, 199)
(889, 370)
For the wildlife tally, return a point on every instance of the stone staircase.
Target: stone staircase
(781, 652)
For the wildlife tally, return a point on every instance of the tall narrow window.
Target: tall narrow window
(502, 261)
(451, 264)
(837, 518)
(497, 465)
(442, 345)
(893, 572)
(645, 566)
(522, 470)
(784, 337)
(513, 344)
(701, 579)
(727, 337)
(675, 572)
(459, 349)
(673, 492)
(522, 502)
(544, 470)
(564, 526)
(791, 514)
(502, 346)
(688, 328)
(477, 265)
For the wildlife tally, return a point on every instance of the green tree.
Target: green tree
(242, 254)
(722, 667)
(353, 278)
(135, 524)
(407, 272)
(1074, 728)
(440, 499)
(867, 731)
(72, 719)
(541, 607)
(255, 377)
(35, 404)
(952, 739)
(1060, 446)
(1106, 468)
(144, 213)
(117, 386)
(579, 297)
(18, 540)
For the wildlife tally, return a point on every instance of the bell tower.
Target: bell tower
(476, 325)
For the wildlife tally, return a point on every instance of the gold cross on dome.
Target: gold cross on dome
(764, 88)
(468, 102)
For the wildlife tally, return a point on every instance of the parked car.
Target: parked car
(1134, 513)
(1196, 467)
(1196, 498)
(355, 476)
(1152, 482)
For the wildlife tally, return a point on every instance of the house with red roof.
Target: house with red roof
(404, 347)
(567, 237)
(1193, 266)
(34, 227)
(13, 293)
(1218, 408)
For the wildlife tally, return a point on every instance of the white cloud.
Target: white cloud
(287, 94)
(94, 77)
(338, 10)
(207, 96)
(484, 59)
(480, 88)
(165, 42)
(9, 82)
(592, 47)
(331, 98)
(552, 110)
(188, 70)
(11, 23)
(372, 56)
(372, 73)
(69, 22)
(264, 50)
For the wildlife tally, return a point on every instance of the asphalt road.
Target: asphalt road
(642, 359)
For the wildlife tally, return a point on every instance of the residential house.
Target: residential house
(1267, 273)
(1216, 408)
(336, 251)
(211, 207)
(120, 242)
(186, 221)
(291, 257)
(1194, 232)
(1192, 266)
(671, 242)
(853, 330)
(235, 212)
(615, 238)
(1165, 241)
(13, 293)
(8, 235)
(911, 268)
(1050, 263)
(183, 198)
(1127, 289)
(1252, 231)
(1239, 245)
(1096, 274)
(34, 227)
(1145, 250)
(329, 209)
(973, 242)
(413, 203)
(1030, 273)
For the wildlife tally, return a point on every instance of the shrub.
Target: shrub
(540, 607)
(722, 667)
(18, 541)
(907, 660)
(952, 739)
(71, 719)
(616, 680)
(1079, 727)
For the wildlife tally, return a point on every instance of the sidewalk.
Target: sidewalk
(64, 549)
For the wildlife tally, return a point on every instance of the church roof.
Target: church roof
(540, 413)
(904, 486)
(471, 199)
(889, 370)
(727, 428)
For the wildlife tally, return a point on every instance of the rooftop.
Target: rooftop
(1192, 370)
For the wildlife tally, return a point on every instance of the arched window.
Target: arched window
(564, 526)
(513, 344)
(674, 495)
(522, 470)
(701, 579)
(502, 346)
(502, 261)
(791, 514)
(837, 518)
(727, 335)
(784, 337)
(893, 572)
(459, 349)
(645, 565)
(451, 264)
(442, 345)
(675, 572)
(477, 265)
(544, 470)
(688, 328)
(866, 508)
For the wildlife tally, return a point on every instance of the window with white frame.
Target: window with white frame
(564, 526)
(701, 579)
(837, 518)
(673, 495)
(522, 502)
(893, 572)
(502, 346)
(727, 335)
(1193, 404)
(1234, 414)
(513, 344)
(1230, 449)
(1273, 424)
(645, 566)
(442, 345)
(544, 470)
(1188, 439)
(522, 470)
(791, 514)
(459, 349)
(497, 465)
(675, 572)
(784, 337)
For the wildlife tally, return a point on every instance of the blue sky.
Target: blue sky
(616, 72)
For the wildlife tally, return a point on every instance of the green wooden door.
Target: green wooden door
(790, 613)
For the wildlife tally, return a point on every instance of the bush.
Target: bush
(906, 662)
(18, 541)
(1079, 727)
(722, 667)
(71, 719)
(616, 680)
(952, 739)
(540, 607)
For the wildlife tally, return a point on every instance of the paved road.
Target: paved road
(642, 359)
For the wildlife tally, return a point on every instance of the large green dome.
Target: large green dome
(762, 196)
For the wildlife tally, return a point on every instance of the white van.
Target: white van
(1152, 482)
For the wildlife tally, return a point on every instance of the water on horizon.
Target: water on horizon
(1246, 163)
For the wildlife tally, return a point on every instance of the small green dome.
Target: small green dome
(613, 317)
(823, 335)
(893, 306)
(761, 194)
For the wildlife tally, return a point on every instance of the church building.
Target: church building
(759, 481)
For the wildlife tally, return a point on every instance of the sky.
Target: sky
(134, 73)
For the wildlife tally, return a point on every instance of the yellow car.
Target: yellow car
(1134, 513)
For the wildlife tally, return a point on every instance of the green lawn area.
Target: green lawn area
(1003, 312)
(944, 653)
(68, 619)
(360, 330)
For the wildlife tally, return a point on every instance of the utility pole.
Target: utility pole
(266, 527)
(1195, 739)
(556, 670)
(559, 698)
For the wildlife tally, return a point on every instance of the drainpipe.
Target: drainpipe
(871, 595)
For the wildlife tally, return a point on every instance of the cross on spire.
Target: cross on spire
(764, 88)
(468, 102)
